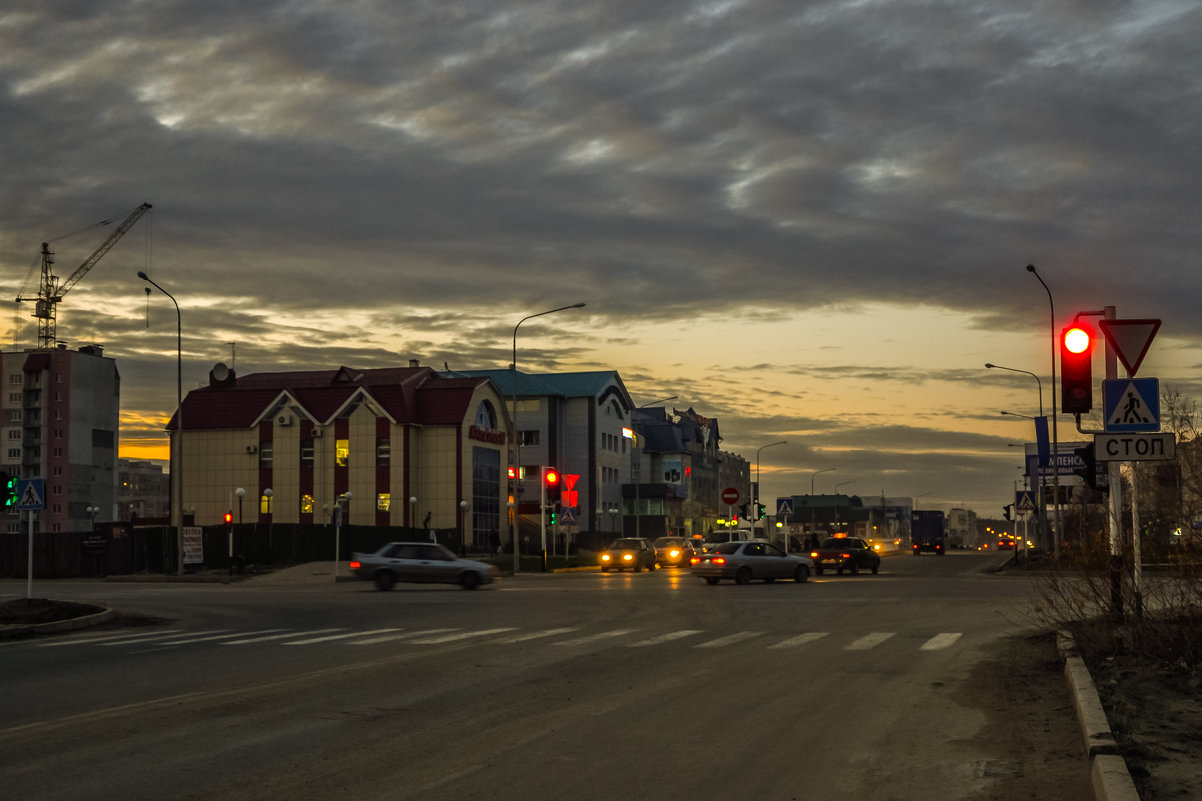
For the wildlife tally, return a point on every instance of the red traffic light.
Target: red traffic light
(551, 477)
(1076, 369)
(228, 518)
(1077, 339)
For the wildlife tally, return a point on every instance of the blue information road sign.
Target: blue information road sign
(30, 494)
(1131, 404)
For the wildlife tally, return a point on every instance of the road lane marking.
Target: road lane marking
(130, 638)
(729, 639)
(396, 637)
(869, 641)
(169, 640)
(283, 636)
(605, 635)
(462, 635)
(800, 639)
(663, 638)
(343, 636)
(228, 635)
(939, 642)
(532, 635)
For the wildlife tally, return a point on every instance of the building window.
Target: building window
(14, 453)
(528, 438)
(306, 453)
(266, 454)
(15, 378)
(306, 504)
(14, 397)
(383, 452)
(383, 501)
(486, 415)
(14, 433)
(342, 452)
(264, 504)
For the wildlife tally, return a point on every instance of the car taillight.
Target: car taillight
(813, 554)
(694, 560)
(844, 556)
(356, 565)
(718, 560)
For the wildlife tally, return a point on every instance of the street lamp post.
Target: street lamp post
(814, 525)
(267, 493)
(636, 461)
(513, 430)
(241, 493)
(1038, 426)
(1055, 435)
(755, 502)
(177, 470)
(463, 528)
(338, 515)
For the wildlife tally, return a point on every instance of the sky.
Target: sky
(809, 220)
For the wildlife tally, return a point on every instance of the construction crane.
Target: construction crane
(50, 291)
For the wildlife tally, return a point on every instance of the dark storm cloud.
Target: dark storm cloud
(370, 182)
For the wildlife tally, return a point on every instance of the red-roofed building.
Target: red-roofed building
(382, 437)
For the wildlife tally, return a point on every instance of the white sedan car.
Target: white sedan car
(423, 562)
(745, 561)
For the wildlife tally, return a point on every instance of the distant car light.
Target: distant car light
(605, 557)
(356, 565)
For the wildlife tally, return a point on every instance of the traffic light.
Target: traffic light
(759, 511)
(1088, 470)
(1006, 510)
(745, 511)
(10, 490)
(228, 517)
(552, 484)
(1076, 369)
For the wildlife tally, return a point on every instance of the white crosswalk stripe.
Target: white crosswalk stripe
(729, 639)
(531, 635)
(939, 642)
(869, 641)
(592, 638)
(506, 635)
(800, 639)
(663, 638)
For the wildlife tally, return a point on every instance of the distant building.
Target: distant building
(143, 491)
(59, 412)
(407, 446)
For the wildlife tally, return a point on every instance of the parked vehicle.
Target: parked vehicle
(927, 531)
(746, 561)
(628, 553)
(675, 551)
(421, 562)
(845, 553)
(719, 536)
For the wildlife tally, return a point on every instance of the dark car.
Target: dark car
(675, 551)
(628, 553)
(745, 561)
(422, 562)
(845, 553)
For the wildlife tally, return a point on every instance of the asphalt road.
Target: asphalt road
(650, 685)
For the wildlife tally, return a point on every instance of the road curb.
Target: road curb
(1109, 776)
(87, 621)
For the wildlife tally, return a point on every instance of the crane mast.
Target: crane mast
(50, 291)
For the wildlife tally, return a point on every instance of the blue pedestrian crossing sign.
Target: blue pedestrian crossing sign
(1024, 502)
(784, 507)
(30, 494)
(1131, 404)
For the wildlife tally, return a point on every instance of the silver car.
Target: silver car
(423, 562)
(744, 561)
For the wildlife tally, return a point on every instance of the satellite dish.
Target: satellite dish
(221, 375)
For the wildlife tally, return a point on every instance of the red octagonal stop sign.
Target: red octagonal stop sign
(730, 496)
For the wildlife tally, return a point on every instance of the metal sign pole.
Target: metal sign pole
(29, 565)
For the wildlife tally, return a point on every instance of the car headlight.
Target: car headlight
(674, 554)
(605, 557)
(626, 557)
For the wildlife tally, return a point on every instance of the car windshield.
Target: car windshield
(626, 545)
(669, 542)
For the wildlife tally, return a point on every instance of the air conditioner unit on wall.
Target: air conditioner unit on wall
(284, 420)
(252, 448)
(317, 432)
